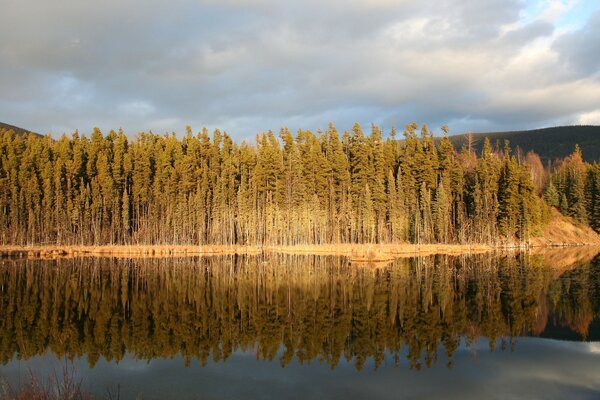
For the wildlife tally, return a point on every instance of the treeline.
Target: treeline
(574, 188)
(303, 189)
(286, 307)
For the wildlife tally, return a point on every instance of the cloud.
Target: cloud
(556, 8)
(590, 118)
(580, 50)
(138, 108)
(252, 65)
(528, 33)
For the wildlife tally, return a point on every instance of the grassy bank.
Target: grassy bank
(357, 252)
(129, 251)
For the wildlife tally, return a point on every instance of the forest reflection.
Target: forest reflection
(287, 307)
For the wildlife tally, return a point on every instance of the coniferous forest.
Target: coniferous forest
(307, 188)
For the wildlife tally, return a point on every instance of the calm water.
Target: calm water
(304, 327)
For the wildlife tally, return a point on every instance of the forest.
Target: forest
(307, 188)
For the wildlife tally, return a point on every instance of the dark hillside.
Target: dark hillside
(16, 129)
(549, 143)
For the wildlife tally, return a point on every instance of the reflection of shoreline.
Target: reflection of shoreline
(317, 307)
(360, 252)
(566, 333)
(563, 259)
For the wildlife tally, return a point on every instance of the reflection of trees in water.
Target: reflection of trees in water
(314, 308)
(575, 297)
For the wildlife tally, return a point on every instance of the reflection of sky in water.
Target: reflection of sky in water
(593, 347)
(538, 368)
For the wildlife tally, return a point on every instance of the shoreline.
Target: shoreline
(357, 252)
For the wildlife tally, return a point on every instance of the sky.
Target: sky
(248, 66)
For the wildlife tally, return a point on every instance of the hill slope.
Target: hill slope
(549, 143)
(563, 230)
(16, 129)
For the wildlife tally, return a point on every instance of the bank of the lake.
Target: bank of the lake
(561, 231)
(357, 252)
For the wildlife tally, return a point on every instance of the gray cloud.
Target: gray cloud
(528, 33)
(580, 50)
(251, 65)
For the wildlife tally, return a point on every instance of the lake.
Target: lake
(307, 327)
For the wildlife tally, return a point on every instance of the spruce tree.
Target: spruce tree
(508, 195)
(551, 194)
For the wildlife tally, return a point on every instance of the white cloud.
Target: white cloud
(589, 118)
(251, 65)
(554, 9)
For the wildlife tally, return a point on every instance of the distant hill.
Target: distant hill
(549, 143)
(16, 129)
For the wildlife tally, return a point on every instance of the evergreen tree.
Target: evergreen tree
(441, 213)
(576, 184)
(593, 196)
(508, 195)
(551, 195)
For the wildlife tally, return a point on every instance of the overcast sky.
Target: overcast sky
(251, 65)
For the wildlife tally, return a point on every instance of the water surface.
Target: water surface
(274, 326)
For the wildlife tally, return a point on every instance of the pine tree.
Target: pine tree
(361, 170)
(551, 194)
(564, 204)
(377, 180)
(441, 213)
(593, 196)
(576, 185)
(508, 195)
(339, 186)
(530, 213)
